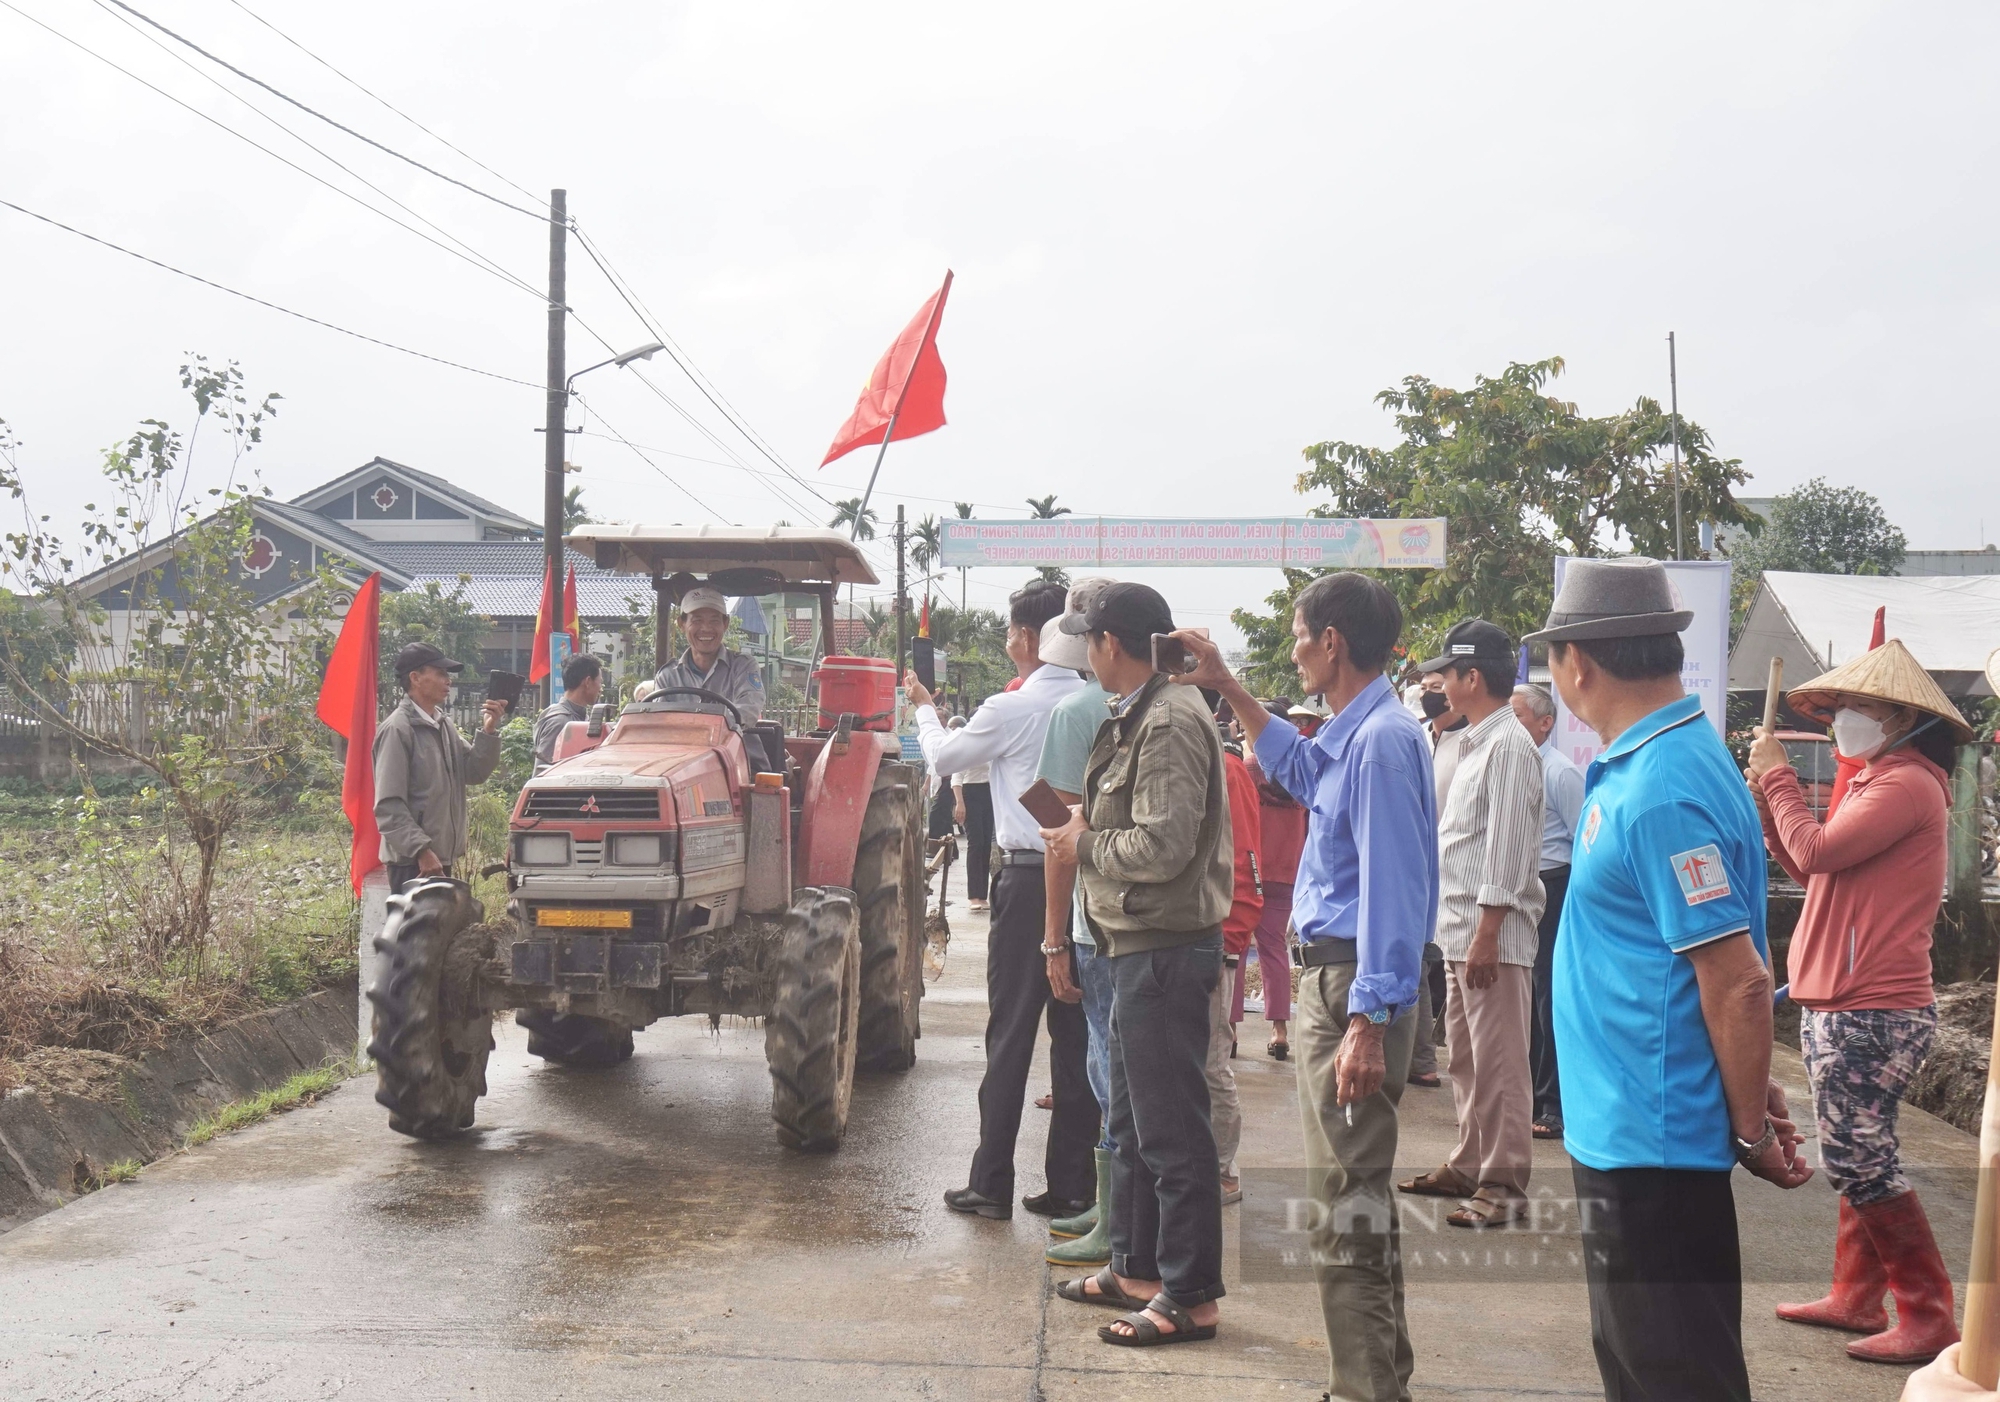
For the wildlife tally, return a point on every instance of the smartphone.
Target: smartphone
(505, 686)
(1170, 655)
(1044, 806)
(923, 661)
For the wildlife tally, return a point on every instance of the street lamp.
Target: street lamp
(558, 438)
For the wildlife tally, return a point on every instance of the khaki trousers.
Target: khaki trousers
(1225, 1112)
(1486, 1031)
(1356, 1243)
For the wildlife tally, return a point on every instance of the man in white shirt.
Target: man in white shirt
(1006, 735)
(1562, 801)
(1489, 898)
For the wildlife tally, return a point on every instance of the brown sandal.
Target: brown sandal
(1438, 1183)
(1480, 1212)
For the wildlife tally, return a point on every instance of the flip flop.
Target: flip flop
(1146, 1334)
(1544, 1130)
(1436, 1184)
(1428, 1080)
(1109, 1291)
(1479, 1212)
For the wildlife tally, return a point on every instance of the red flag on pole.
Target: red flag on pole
(905, 388)
(538, 654)
(572, 624)
(1844, 769)
(347, 704)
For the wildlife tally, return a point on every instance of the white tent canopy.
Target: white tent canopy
(1817, 621)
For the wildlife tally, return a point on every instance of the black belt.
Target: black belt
(1010, 857)
(1313, 953)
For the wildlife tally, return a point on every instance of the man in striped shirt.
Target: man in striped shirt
(1489, 899)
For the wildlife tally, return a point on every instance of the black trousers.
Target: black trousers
(1166, 1188)
(401, 874)
(1542, 1023)
(1666, 1283)
(978, 840)
(1017, 992)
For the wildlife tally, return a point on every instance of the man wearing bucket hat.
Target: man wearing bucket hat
(1662, 995)
(705, 663)
(1860, 966)
(422, 767)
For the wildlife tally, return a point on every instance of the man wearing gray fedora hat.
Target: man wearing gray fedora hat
(1662, 996)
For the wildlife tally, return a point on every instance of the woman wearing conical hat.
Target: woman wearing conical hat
(1860, 965)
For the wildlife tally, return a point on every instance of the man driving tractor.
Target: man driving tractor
(706, 663)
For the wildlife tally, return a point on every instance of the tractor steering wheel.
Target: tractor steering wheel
(735, 716)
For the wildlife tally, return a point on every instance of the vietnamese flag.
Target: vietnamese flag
(1844, 769)
(347, 704)
(905, 392)
(538, 654)
(572, 624)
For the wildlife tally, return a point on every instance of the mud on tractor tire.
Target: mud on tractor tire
(430, 1037)
(811, 1032)
(888, 885)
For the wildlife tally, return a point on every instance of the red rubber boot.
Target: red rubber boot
(1917, 1278)
(1859, 1282)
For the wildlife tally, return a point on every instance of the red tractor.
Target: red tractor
(679, 858)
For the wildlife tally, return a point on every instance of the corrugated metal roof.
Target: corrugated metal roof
(601, 596)
(479, 557)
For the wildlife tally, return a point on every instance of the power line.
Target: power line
(219, 287)
(680, 358)
(495, 270)
(650, 463)
(310, 111)
(383, 100)
(470, 254)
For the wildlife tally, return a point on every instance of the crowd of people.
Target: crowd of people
(1438, 871)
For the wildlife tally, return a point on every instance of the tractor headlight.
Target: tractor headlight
(638, 849)
(541, 849)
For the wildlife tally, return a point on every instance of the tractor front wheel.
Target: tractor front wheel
(811, 1032)
(430, 1037)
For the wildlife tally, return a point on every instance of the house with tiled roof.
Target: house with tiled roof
(418, 529)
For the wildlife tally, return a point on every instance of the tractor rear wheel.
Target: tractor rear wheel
(430, 1036)
(888, 884)
(810, 1034)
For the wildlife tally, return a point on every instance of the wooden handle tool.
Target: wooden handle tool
(1772, 692)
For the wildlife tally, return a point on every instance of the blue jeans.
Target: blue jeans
(1093, 976)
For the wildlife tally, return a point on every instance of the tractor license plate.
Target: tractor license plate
(585, 919)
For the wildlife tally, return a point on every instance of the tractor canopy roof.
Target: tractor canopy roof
(760, 559)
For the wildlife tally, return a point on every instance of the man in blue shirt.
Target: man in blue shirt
(1662, 997)
(1364, 904)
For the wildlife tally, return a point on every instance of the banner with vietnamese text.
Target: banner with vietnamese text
(1296, 542)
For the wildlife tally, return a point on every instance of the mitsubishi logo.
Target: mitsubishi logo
(589, 804)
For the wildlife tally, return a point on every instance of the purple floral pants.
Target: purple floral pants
(1860, 1063)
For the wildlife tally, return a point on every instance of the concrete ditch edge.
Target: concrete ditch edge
(52, 1143)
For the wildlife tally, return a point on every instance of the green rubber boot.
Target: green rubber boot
(1093, 1247)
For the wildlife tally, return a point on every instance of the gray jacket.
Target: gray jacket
(549, 728)
(734, 677)
(421, 770)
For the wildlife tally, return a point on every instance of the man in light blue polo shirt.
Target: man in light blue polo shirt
(1662, 997)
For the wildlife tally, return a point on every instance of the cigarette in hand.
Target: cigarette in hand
(1348, 1110)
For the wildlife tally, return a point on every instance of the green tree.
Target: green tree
(575, 513)
(852, 516)
(428, 615)
(1045, 508)
(1518, 475)
(1816, 529)
(200, 681)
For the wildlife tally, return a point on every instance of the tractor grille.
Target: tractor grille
(592, 804)
(585, 854)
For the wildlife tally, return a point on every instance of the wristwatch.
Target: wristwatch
(1748, 1153)
(1380, 1017)
(1052, 950)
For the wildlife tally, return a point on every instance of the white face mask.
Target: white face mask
(1856, 734)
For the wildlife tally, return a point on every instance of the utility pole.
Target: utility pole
(555, 435)
(902, 602)
(1674, 391)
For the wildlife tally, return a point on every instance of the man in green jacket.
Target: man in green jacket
(1153, 851)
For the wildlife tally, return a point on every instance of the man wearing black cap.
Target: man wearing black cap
(1153, 852)
(1489, 900)
(422, 766)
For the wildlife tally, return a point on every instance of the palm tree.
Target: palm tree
(928, 536)
(1045, 508)
(859, 521)
(875, 620)
(575, 513)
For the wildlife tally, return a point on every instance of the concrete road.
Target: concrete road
(638, 1233)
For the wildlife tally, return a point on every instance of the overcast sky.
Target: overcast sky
(1188, 239)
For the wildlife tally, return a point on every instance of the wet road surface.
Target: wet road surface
(639, 1233)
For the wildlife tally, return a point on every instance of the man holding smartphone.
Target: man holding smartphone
(422, 768)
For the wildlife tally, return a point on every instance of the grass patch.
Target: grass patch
(302, 1089)
(124, 1171)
